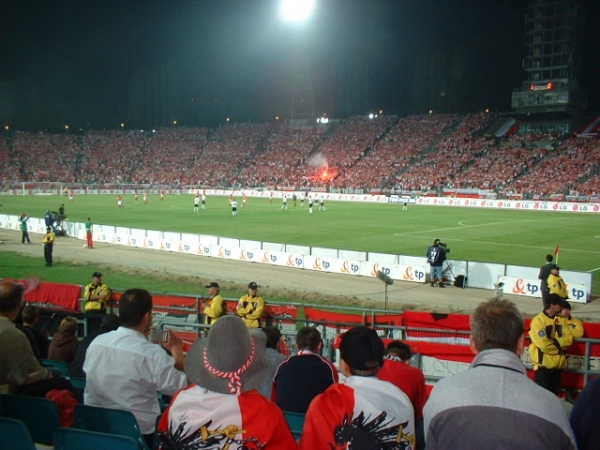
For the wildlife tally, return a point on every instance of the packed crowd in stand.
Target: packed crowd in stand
(285, 151)
(423, 154)
(571, 169)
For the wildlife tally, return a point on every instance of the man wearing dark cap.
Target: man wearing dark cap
(215, 306)
(364, 411)
(549, 340)
(570, 323)
(251, 307)
(223, 409)
(556, 285)
(96, 294)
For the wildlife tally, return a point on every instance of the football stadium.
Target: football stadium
(206, 205)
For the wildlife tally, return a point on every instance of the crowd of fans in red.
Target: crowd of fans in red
(423, 153)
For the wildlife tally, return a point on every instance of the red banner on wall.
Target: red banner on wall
(319, 315)
(65, 296)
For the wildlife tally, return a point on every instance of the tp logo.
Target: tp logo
(520, 288)
(294, 261)
(417, 275)
(577, 293)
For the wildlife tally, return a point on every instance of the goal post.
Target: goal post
(42, 188)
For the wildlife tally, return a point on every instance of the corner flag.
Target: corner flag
(556, 253)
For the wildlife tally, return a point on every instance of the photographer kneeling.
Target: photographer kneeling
(436, 255)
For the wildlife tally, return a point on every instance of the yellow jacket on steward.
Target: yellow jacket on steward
(549, 340)
(96, 289)
(556, 285)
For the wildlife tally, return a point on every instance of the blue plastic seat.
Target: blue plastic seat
(15, 435)
(39, 414)
(74, 439)
(60, 365)
(79, 385)
(106, 420)
(296, 422)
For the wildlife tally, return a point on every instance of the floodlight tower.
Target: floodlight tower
(297, 12)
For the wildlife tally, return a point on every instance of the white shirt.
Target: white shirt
(124, 370)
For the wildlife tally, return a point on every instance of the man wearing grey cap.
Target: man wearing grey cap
(364, 411)
(251, 306)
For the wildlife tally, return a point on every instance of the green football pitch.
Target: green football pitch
(473, 234)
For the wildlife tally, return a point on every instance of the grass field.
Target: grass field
(508, 237)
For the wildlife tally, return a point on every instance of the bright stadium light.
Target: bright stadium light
(296, 10)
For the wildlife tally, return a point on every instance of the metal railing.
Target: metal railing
(330, 330)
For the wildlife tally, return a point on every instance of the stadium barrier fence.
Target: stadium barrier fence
(439, 340)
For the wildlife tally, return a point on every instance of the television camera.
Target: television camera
(58, 223)
(444, 246)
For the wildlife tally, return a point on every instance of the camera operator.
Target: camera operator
(61, 212)
(436, 255)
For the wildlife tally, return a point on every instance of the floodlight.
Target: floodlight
(296, 10)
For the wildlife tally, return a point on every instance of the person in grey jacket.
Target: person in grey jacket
(493, 405)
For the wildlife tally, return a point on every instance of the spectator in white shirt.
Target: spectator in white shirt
(125, 370)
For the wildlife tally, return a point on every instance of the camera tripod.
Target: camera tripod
(449, 269)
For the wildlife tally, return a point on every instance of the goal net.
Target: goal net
(42, 188)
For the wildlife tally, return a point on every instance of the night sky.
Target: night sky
(98, 63)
